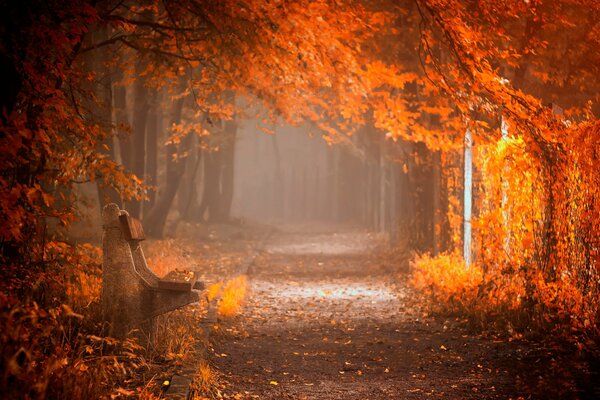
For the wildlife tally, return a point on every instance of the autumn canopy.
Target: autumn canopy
(109, 92)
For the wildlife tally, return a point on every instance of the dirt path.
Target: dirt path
(325, 321)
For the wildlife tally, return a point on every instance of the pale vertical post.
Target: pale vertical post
(505, 190)
(468, 193)
(504, 128)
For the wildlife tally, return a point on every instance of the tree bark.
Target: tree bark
(227, 171)
(218, 173)
(140, 114)
(211, 192)
(152, 150)
(192, 195)
(187, 194)
(155, 220)
(11, 83)
(106, 193)
(279, 192)
(122, 120)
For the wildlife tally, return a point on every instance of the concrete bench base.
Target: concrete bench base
(132, 295)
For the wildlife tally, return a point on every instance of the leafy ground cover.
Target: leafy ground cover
(347, 326)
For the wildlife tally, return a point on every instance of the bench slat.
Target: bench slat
(131, 227)
(178, 281)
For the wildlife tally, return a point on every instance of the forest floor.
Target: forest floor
(327, 318)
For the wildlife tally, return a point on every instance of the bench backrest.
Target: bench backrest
(131, 227)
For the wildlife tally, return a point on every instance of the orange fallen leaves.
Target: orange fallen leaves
(233, 296)
(214, 290)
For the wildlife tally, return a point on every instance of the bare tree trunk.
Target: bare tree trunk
(140, 113)
(211, 192)
(123, 132)
(438, 225)
(106, 194)
(334, 161)
(217, 195)
(227, 171)
(279, 192)
(12, 83)
(192, 196)
(152, 150)
(187, 195)
(155, 220)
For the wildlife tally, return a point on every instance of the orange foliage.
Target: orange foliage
(334, 63)
(50, 352)
(536, 249)
(446, 278)
(537, 191)
(232, 298)
(214, 290)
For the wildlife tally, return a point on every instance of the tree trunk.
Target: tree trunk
(188, 194)
(106, 193)
(211, 192)
(140, 113)
(440, 205)
(192, 196)
(279, 185)
(155, 220)
(123, 129)
(11, 84)
(152, 150)
(227, 171)
(217, 195)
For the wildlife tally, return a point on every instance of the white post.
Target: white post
(468, 188)
(505, 190)
(504, 128)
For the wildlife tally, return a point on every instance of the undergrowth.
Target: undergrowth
(54, 345)
(206, 384)
(502, 303)
(535, 238)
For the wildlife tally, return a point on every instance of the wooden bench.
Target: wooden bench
(132, 295)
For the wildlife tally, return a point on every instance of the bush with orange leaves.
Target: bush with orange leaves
(446, 278)
(535, 235)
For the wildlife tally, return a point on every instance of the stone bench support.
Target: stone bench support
(131, 293)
